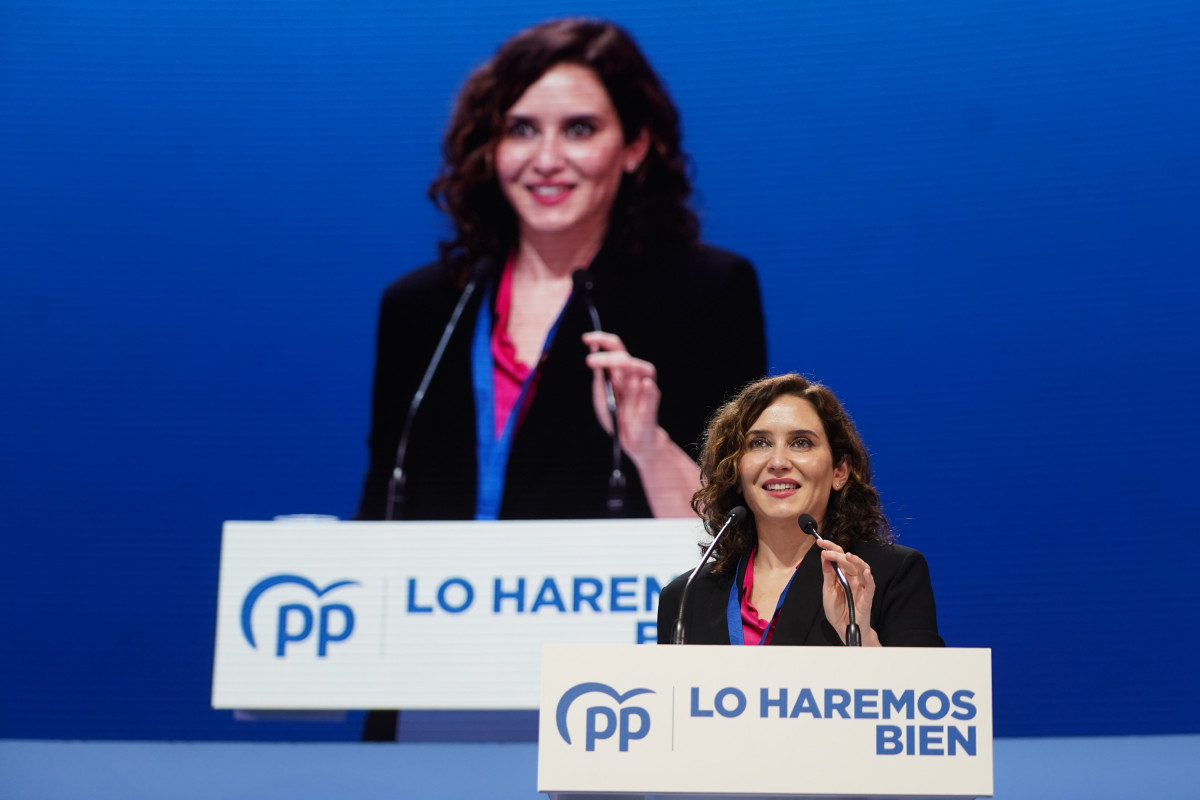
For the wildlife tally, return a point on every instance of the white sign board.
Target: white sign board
(822, 721)
(429, 615)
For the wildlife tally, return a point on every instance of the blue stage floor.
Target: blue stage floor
(1159, 767)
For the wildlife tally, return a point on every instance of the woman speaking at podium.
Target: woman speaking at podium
(509, 384)
(785, 449)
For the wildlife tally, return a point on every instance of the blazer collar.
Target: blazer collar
(803, 607)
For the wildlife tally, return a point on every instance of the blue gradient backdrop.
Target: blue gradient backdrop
(974, 219)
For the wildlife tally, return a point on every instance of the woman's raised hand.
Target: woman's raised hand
(669, 476)
(862, 586)
(635, 384)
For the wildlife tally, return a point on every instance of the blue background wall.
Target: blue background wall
(974, 219)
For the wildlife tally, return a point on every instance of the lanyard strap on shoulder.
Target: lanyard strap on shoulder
(493, 453)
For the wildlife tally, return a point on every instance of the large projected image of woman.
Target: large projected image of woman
(574, 286)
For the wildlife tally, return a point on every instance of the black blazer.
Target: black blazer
(694, 313)
(902, 611)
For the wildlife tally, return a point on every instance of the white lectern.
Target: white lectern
(317, 614)
(704, 721)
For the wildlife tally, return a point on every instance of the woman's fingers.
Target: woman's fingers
(853, 567)
(635, 386)
(862, 586)
(861, 569)
(637, 396)
(621, 366)
(607, 352)
(602, 340)
(598, 341)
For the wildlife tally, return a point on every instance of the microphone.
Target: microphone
(735, 518)
(399, 479)
(582, 278)
(853, 635)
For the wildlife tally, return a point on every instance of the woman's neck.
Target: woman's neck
(781, 547)
(554, 257)
(541, 285)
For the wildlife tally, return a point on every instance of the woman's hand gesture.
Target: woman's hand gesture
(669, 476)
(635, 384)
(862, 586)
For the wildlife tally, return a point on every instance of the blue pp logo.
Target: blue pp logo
(333, 622)
(628, 724)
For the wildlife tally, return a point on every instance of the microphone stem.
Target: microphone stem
(678, 636)
(397, 483)
(853, 634)
(616, 481)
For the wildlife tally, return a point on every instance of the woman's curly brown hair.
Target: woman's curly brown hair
(651, 206)
(855, 512)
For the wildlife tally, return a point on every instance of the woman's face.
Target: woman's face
(786, 468)
(563, 154)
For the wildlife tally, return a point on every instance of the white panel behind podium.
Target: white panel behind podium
(777, 721)
(429, 615)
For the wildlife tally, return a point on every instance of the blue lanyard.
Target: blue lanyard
(733, 611)
(492, 452)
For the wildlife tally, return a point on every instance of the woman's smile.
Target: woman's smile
(550, 194)
(781, 488)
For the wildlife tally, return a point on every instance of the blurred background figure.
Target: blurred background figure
(563, 153)
(583, 351)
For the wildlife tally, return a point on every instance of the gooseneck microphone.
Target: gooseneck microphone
(735, 517)
(853, 635)
(616, 480)
(399, 479)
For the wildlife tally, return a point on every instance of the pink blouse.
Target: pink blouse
(753, 626)
(508, 374)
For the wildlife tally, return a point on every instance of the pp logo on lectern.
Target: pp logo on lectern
(334, 622)
(603, 721)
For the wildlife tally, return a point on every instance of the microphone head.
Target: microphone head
(736, 515)
(582, 279)
(808, 524)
